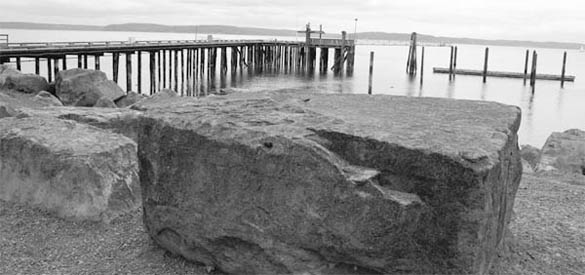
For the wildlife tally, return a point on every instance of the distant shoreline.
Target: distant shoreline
(233, 30)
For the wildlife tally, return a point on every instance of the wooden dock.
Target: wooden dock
(180, 64)
(503, 74)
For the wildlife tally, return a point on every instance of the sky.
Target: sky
(537, 20)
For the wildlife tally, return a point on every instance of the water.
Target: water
(549, 109)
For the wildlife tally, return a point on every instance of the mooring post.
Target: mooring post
(451, 63)
(563, 70)
(526, 66)
(413, 63)
(139, 71)
(485, 64)
(422, 64)
(37, 65)
(128, 72)
(97, 64)
(115, 60)
(371, 73)
(533, 70)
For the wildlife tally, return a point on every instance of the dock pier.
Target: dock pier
(182, 64)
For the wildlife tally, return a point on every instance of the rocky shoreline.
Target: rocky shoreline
(306, 183)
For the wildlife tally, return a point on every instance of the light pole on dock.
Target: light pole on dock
(355, 32)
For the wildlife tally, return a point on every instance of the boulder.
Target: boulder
(388, 184)
(74, 170)
(564, 152)
(530, 154)
(129, 99)
(120, 121)
(26, 83)
(81, 87)
(105, 102)
(7, 111)
(159, 97)
(47, 99)
(19, 100)
(7, 70)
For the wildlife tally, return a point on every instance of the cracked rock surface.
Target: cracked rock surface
(293, 183)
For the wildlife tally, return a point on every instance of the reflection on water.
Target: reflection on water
(548, 109)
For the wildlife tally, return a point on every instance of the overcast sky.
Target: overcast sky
(539, 20)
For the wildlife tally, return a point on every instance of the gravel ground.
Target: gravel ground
(549, 238)
(548, 229)
(34, 242)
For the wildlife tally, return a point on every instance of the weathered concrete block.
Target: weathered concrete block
(390, 184)
(74, 170)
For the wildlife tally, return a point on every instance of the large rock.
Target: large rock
(81, 87)
(46, 98)
(155, 100)
(390, 184)
(129, 99)
(7, 70)
(564, 152)
(74, 170)
(120, 121)
(26, 83)
(531, 155)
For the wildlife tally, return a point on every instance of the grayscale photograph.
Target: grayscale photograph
(220, 137)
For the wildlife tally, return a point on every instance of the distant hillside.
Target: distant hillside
(42, 26)
(472, 41)
(222, 29)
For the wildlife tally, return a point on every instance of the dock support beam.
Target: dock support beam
(128, 72)
(485, 64)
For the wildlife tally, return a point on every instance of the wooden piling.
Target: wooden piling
(223, 60)
(451, 63)
(533, 70)
(152, 65)
(234, 60)
(202, 65)
(371, 73)
(49, 70)
(79, 61)
(37, 65)
(18, 64)
(412, 63)
(85, 61)
(422, 64)
(128, 72)
(97, 64)
(115, 60)
(64, 63)
(455, 62)
(563, 70)
(485, 64)
(323, 62)
(164, 69)
(159, 74)
(139, 71)
(175, 69)
(56, 67)
(182, 72)
(526, 66)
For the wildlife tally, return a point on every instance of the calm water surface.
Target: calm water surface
(548, 109)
